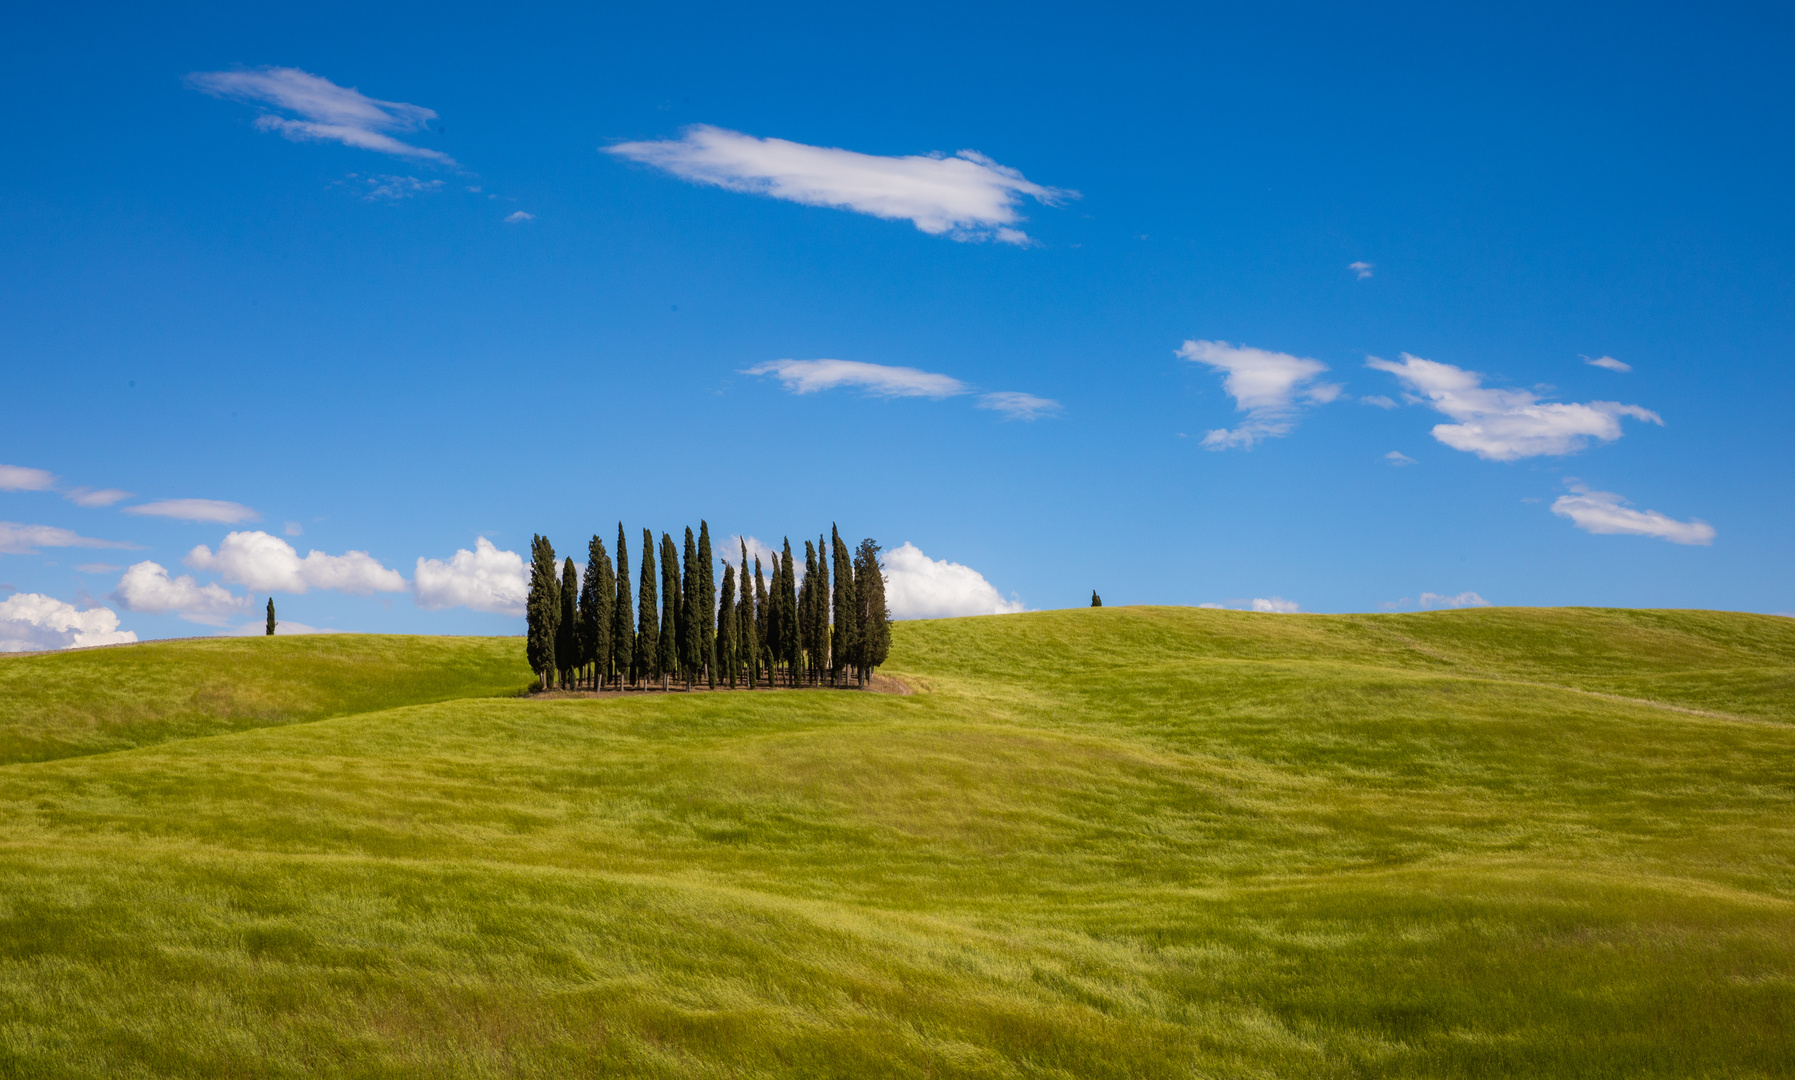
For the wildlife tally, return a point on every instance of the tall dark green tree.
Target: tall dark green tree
(723, 649)
(789, 640)
(763, 624)
(648, 630)
(623, 616)
(271, 616)
(845, 610)
(542, 610)
(1096, 601)
(875, 622)
(567, 632)
(598, 591)
(706, 604)
(688, 622)
(821, 615)
(666, 656)
(807, 605)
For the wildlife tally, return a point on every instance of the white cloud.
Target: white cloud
(1276, 604)
(967, 196)
(282, 628)
(517, 216)
(1606, 513)
(293, 528)
(326, 112)
(146, 587)
(395, 188)
(33, 621)
(1378, 400)
(1019, 406)
(1608, 362)
(215, 511)
(918, 587)
(1361, 270)
(485, 579)
(1462, 600)
(86, 496)
(267, 563)
(20, 478)
(16, 539)
(1268, 386)
(810, 376)
(1504, 425)
(1397, 457)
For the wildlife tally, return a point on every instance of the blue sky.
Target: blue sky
(393, 281)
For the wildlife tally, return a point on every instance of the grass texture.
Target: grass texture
(1119, 842)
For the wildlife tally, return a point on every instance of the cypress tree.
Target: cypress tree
(568, 657)
(648, 633)
(597, 593)
(748, 624)
(271, 616)
(689, 619)
(788, 617)
(707, 604)
(763, 623)
(821, 663)
(666, 656)
(1096, 601)
(723, 649)
(775, 621)
(814, 589)
(623, 616)
(542, 609)
(844, 605)
(875, 622)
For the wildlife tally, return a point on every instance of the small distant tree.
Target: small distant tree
(875, 622)
(706, 604)
(598, 591)
(568, 658)
(666, 657)
(1096, 601)
(271, 616)
(648, 630)
(842, 647)
(542, 610)
(623, 616)
(723, 649)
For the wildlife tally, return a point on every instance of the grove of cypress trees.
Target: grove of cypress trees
(648, 633)
(706, 604)
(874, 621)
(845, 608)
(688, 623)
(666, 656)
(542, 610)
(1096, 601)
(597, 593)
(723, 649)
(623, 616)
(568, 658)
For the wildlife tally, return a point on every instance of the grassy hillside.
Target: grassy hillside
(1107, 843)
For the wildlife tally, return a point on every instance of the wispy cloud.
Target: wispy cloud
(86, 496)
(484, 579)
(811, 376)
(1608, 362)
(16, 539)
(267, 563)
(518, 217)
(1270, 387)
(1019, 406)
(1377, 401)
(213, 511)
(320, 110)
(1606, 513)
(1505, 425)
(1397, 457)
(918, 587)
(20, 478)
(394, 188)
(967, 196)
(1361, 270)
(146, 587)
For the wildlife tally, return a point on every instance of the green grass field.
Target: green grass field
(1122, 842)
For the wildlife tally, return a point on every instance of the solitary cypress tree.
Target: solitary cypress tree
(623, 616)
(271, 616)
(542, 609)
(648, 632)
(568, 657)
(666, 657)
(597, 593)
(706, 604)
(843, 648)
(723, 649)
(788, 604)
(1096, 601)
(875, 622)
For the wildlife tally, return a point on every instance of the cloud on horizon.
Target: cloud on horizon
(32, 621)
(265, 563)
(1433, 600)
(147, 588)
(201, 511)
(1506, 425)
(1605, 513)
(484, 579)
(918, 587)
(322, 110)
(1270, 387)
(966, 197)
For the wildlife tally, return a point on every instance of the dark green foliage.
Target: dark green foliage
(542, 610)
(271, 616)
(623, 616)
(689, 660)
(1096, 601)
(845, 611)
(648, 631)
(763, 620)
(723, 649)
(706, 604)
(567, 631)
(666, 655)
(790, 642)
(874, 621)
(597, 593)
